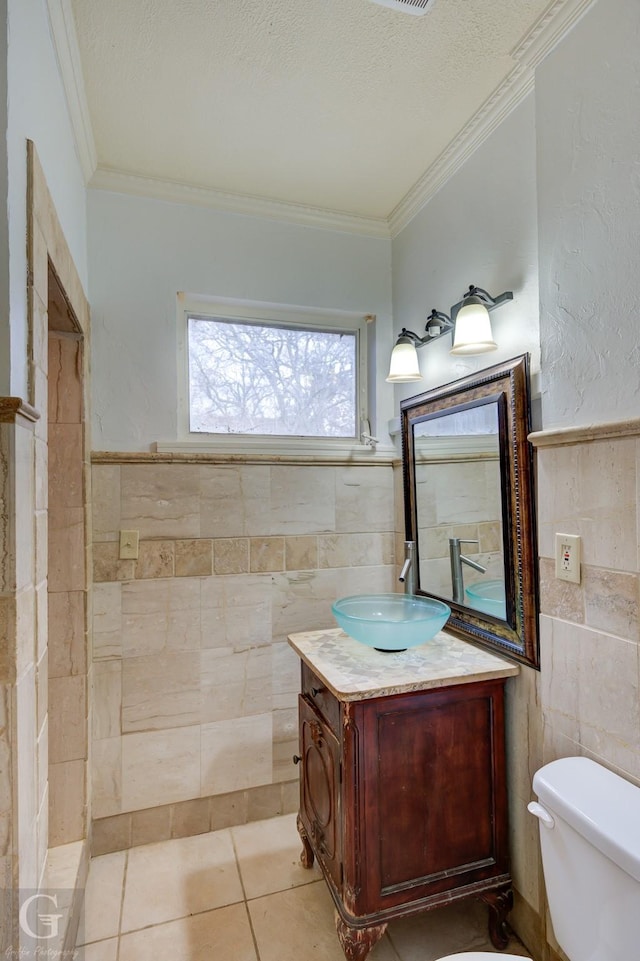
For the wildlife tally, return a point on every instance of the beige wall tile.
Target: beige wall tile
(66, 478)
(111, 834)
(105, 501)
(302, 601)
(290, 797)
(301, 553)
(67, 802)
(107, 621)
(42, 690)
(285, 678)
(159, 767)
(23, 503)
(235, 683)
(354, 550)
(107, 565)
(66, 549)
(611, 602)
(26, 636)
(162, 615)
(106, 777)
(303, 501)
(231, 555)
(234, 500)
(65, 380)
(559, 666)
(66, 628)
(228, 809)
(364, 499)
(560, 599)
(266, 554)
(224, 742)
(160, 691)
(155, 559)
(364, 580)
(67, 718)
(264, 802)
(154, 824)
(160, 500)
(573, 500)
(194, 558)
(189, 818)
(236, 611)
(107, 699)
(609, 686)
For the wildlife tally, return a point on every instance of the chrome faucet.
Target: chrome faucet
(408, 572)
(457, 560)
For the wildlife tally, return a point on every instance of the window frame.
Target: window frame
(265, 314)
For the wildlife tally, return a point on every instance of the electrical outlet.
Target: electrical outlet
(129, 545)
(568, 557)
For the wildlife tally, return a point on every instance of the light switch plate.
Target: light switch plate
(568, 557)
(129, 545)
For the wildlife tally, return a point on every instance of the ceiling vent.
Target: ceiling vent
(417, 7)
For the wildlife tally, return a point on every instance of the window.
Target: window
(273, 373)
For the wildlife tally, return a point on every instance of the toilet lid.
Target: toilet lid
(483, 956)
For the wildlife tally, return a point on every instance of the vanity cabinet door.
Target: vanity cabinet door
(320, 807)
(432, 778)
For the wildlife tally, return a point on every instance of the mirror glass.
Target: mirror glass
(469, 506)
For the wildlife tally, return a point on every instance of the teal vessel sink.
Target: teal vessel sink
(390, 622)
(488, 597)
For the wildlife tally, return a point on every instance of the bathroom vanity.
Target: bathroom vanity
(402, 788)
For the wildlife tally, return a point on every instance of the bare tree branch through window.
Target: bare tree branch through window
(248, 378)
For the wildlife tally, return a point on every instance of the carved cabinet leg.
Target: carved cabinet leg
(306, 855)
(500, 903)
(357, 942)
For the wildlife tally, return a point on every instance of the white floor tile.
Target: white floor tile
(173, 879)
(100, 951)
(103, 898)
(221, 935)
(299, 923)
(268, 855)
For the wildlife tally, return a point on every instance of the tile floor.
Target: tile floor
(241, 895)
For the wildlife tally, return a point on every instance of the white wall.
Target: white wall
(142, 252)
(588, 121)
(37, 110)
(480, 228)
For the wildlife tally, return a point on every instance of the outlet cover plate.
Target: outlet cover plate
(568, 557)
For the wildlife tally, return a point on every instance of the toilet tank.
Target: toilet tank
(591, 859)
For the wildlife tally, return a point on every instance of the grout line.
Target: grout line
(124, 886)
(253, 933)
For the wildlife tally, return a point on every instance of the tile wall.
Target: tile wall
(195, 686)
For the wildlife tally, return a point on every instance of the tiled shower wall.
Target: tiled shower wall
(195, 686)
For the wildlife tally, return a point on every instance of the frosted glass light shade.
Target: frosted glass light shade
(404, 367)
(473, 329)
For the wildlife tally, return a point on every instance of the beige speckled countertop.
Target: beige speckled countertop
(353, 671)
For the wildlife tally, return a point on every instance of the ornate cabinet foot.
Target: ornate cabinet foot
(500, 903)
(357, 942)
(306, 855)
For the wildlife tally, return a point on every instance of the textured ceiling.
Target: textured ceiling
(337, 104)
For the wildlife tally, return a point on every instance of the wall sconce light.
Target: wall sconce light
(404, 367)
(473, 334)
(469, 322)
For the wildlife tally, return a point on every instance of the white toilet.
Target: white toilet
(590, 838)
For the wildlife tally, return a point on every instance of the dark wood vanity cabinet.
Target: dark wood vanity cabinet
(403, 803)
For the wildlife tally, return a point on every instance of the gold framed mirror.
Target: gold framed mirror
(469, 505)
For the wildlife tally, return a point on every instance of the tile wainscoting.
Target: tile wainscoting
(195, 688)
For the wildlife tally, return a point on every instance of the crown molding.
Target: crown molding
(555, 23)
(559, 18)
(106, 178)
(65, 43)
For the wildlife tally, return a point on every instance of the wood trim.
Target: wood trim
(565, 436)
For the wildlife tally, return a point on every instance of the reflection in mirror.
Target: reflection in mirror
(469, 505)
(459, 507)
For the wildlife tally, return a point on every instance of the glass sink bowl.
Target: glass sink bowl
(488, 597)
(390, 622)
